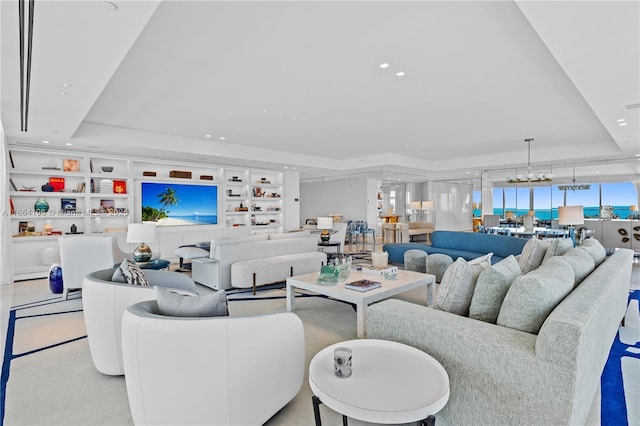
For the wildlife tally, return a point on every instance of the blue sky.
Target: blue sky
(193, 198)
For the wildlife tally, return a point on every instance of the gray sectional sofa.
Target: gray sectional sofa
(504, 376)
(468, 245)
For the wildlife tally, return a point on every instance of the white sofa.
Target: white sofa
(210, 371)
(104, 301)
(255, 260)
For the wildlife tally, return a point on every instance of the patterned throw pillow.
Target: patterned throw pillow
(458, 283)
(133, 274)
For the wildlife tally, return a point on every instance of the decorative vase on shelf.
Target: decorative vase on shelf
(41, 205)
(48, 227)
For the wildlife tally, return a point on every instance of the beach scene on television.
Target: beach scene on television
(171, 204)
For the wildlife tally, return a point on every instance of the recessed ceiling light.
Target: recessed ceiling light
(62, 92)
(45, 141)
(295, 168)
(68, 144)
(597, 171)
(264, 110)
(285, 167)
(222, 138)
(384, 65)
(620, 120)
(207, 136)
(66, 85)
(401, 74)
(623, 123)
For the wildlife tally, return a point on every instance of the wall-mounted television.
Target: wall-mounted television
(171, 204)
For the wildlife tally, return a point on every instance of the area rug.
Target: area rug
(48, 376)
(621, 375)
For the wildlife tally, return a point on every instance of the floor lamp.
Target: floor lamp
(429, 207)
(415, 206)
(571, 216)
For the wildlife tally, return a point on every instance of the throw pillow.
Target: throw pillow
(131, 273)
(558, 247)
(458, 283)
(173, 303)
(532, 254)
(533, 296)
(191, 252)
(595, 249)
(581, 263)
(491, 288)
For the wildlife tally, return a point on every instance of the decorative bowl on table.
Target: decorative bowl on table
(107, 169)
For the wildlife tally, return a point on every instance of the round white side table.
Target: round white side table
(391, 383)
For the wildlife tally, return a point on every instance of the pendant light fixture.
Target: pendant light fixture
(530, 176)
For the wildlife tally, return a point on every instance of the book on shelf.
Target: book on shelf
(379, 271)
(362, 285)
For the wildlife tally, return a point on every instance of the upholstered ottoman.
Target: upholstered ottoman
(437, 263)
(415, 260)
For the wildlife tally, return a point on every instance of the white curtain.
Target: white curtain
(6, 258)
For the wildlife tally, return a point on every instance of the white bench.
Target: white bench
(267, 270)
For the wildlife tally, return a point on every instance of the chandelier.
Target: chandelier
(530, 177)
(573, 186)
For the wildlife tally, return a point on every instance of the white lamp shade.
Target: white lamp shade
(570, 215)
(428, 205)
(325, 223)
(141, 233)
(415, 205)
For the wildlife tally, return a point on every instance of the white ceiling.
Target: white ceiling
(298, 83)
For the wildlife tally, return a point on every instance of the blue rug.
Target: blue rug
(614, 406)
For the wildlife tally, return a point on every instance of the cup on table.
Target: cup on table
(342, 361)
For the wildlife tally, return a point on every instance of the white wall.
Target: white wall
(354, 199)
(453, 204)
(291, 181)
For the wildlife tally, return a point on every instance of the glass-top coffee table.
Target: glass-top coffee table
(391, 383)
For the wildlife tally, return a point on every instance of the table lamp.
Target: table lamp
(326, 224)
(141, 233)
(430, 208)
(571, 215)
(415, 206)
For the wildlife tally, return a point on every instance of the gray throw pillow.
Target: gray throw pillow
(458, 283)
(175, 304)
(491, 288)
(532, 254)
(533, 296)
(595, 249)
(558, 247)
(580, 261)
(130, 273)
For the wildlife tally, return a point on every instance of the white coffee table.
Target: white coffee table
(406, 280)
(390, 383)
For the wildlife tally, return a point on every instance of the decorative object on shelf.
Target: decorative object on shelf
(48, 227)
(57, 183)
(257, 192)
(180, 174)
(107, 206)
(119, 186)
(151, 174)
(98, 222)
(74, 228)
(326, 225)
(55, 279)
(530, 177)
(264, 181)
(41, 206)
(571, 215)
(68, 205)
(13, 185)
(69, 165)
(28, 188)
(105, 186)
(50, 164)
(141, 233)
(206, 177)
(106, 169)
(235, 179)
(47, 187)
(606, 212)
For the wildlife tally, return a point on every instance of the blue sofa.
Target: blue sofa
(467, 245)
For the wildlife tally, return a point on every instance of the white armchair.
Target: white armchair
(80, 255)
(104, 302)
(221, 370)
